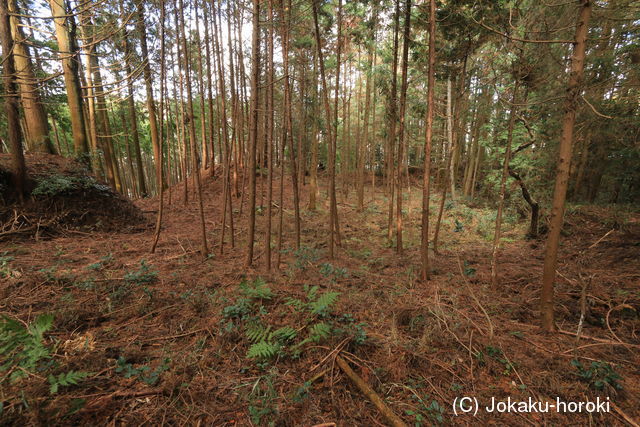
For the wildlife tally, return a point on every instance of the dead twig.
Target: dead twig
(388, 414)
(626, 417)
(473, 295)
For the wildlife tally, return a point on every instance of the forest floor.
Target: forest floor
(165, 336)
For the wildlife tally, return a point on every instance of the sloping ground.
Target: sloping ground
(63, 197)
(165, 336)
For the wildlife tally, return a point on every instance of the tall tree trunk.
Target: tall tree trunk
(208, 60)
(195, 169)
(564, 163)
(11, 102)
(401, 128)
(69, 56)
(285, 9)
(426, 179)
(253, 131)
(269, 137)
(367, 111)
(34, 113)
(313, 171)
(151, 108)
(142, 186)
(503, 185)
(99, 115)
(393, 119)
(331, 121)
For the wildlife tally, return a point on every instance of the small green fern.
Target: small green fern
(267, 344)
(263, 350)
(323, 303)
(22, 347)
(319, 332)
(22, 351)
(256, 332)
(258, 289)
(284, 334)
(65, 379)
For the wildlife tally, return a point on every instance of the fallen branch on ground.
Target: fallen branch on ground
(388, 414)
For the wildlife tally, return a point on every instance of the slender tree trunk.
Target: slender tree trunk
(393, 119)
(288, 116)
(452, 145)
(253, 131)
(564, 163)
(503, 185)
(269, 137)
(333, 204)
(98, 115)
(367, 111)
(331, 122)
(142, 186)
(401, 128)
(195, 169)
(426, 179)
(209, 88)
(151, 108)
(313, 171)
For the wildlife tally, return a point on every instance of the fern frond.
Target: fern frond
(256, 290)
(263, 350)
(256, 332)
(319, 332)
(65, 379)
(323, 303)
(284, 334)
(42, 324)
(311, 292)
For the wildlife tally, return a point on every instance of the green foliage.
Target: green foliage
(317, 304)
(65, 379)
(239, 310)
(22, 348)
(258, 289)
(322, 304)
(143, 373)
(58, 185)
(267, 343)
(353, 329)
(54, 185)
(143, 276)
(104, 261)
(432, 411)
(261, 401)
(263, 350)
(468, 270)
(23, 351)
(5, 271)
(329, 271)
(599, 374)
(304, 257)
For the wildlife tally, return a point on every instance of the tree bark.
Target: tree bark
(69, 56)
(253, 131)
(401, 128)
(11, 102)
(564, 163)
(426, 179)
(38, 139)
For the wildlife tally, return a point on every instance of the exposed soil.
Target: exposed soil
(454, 336)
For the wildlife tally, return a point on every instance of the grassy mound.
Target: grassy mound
(62, 196)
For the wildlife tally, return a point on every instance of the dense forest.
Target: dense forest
(319, 212)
